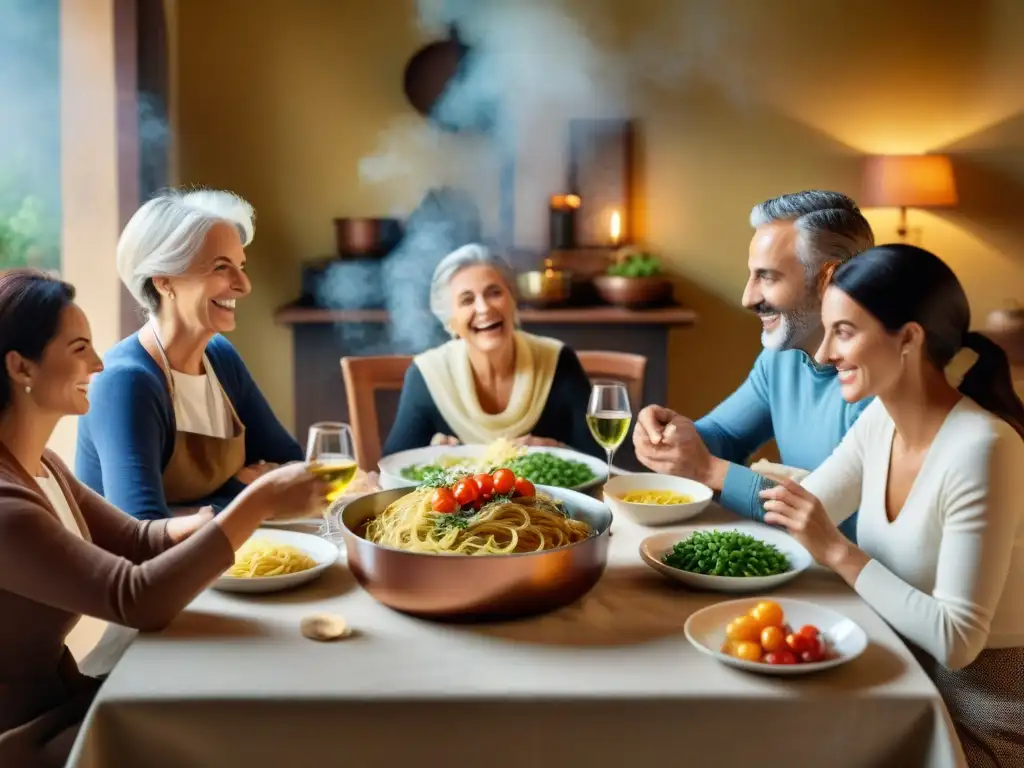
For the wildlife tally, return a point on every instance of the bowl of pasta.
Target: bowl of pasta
(470, 547)
(275, 560)
(649, 499)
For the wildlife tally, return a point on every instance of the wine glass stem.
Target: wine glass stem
(610, 452)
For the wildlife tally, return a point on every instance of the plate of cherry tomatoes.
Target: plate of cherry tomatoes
(776, 637)
(473, 491)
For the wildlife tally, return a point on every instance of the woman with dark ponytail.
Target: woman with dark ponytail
(64, 551)
(936, 467)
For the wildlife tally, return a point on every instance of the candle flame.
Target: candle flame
(616, 227)
(562, 202)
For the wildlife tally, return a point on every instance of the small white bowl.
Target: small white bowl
(656, 514)
(322, 551)
(705, 630)
(654, 548)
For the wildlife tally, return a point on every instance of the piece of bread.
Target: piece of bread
(778, 472)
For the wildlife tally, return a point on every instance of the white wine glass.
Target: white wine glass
(329, 450)
(609, 416)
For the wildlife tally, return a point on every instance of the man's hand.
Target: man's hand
(669, 444)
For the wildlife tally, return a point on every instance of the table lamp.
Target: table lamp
(908, 181)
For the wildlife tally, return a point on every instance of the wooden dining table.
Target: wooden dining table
(608, 680)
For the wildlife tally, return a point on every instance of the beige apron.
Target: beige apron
(200, 464)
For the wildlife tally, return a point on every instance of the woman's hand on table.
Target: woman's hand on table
(800, 512)
(250, 474)
(538, 442)
(440, 439)
(180, 528)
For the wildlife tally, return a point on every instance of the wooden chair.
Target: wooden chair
(628, 368)
(364, 377)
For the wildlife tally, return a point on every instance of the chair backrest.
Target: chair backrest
(626, 367)
(364, 377)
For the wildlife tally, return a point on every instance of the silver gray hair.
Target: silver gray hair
(163, 237)
(830, 226)
(472, 255)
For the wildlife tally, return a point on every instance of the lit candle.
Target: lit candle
(616, 228)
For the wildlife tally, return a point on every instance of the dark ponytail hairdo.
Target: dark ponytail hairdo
(31, 304)
(901, 284)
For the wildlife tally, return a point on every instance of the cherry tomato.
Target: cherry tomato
(443, 501)
(799, 643)
(524, 487)
(466, 492)
(768, 613)
(809, 631)
(812, 655)
(772, 639)
(747, 651)
(780, 657)
(504, 480)
(744, 629)
(486, 485)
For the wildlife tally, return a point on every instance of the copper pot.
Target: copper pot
(366, 236)
(547, 287)
(633, 292)
(463, 587)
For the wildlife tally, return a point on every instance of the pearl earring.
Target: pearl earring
(171, 295)
(28, 389)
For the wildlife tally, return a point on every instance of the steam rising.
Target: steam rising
(531, 67)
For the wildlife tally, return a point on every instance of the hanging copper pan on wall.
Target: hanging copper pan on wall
(431, 71)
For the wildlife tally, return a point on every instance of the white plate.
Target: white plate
(391, 466)
(705, 630)
(322, 551)
(656, 514)
(653, 548)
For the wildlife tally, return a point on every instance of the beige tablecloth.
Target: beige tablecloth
(608, 681)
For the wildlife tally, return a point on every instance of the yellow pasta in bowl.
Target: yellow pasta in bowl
(650, 499)
(264, 557)
(655, 497)
(272, 560)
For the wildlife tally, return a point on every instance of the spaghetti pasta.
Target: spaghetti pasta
(259, 558)
(500, 527)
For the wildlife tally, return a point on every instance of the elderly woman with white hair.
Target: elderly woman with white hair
(176, 421)
(492, 380)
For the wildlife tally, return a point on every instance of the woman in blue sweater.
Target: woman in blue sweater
(176, 421)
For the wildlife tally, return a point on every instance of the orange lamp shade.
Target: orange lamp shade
(911, 181)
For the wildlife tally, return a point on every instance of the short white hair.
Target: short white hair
(165, 234)
(471, 255)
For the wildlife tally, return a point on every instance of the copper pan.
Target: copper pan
(467, 588)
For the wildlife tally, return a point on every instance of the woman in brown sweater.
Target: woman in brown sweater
(64, 551)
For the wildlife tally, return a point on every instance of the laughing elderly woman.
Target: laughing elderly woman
(176, 420)
(491, 381)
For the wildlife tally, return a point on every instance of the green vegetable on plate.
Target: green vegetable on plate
(726, 553)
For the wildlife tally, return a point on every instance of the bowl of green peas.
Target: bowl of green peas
(748, 557)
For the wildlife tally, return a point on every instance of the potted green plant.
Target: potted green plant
(634, 280)
(28, 238)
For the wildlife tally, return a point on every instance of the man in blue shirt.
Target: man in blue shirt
(799, 240)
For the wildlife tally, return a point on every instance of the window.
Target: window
(30, 134)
